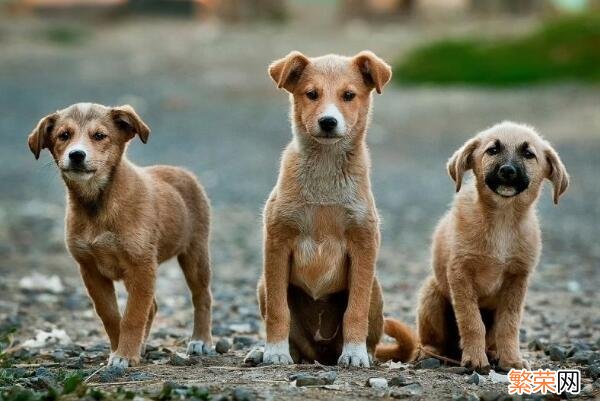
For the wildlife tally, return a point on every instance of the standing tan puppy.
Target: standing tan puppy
(123, 221)
(318, 293)
(486, 246)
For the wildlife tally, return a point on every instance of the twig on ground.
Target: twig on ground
(442, 358)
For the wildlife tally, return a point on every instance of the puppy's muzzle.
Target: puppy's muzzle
(508, 179)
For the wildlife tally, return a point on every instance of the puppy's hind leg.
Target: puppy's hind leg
(431, 320)
(195, 264)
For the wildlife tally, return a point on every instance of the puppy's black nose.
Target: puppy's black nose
(77, 156)
(327, 124)
(507, 172)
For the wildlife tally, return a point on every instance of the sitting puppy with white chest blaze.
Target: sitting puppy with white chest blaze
(122, 221)
(318, 294)
(486, 247)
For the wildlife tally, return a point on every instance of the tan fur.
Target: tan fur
(321, 228)
(125, 220)
(484, 250)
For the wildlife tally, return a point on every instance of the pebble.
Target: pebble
(537, 344)
(429, 363)
(141, 376)
(110, 374)
(557, 353)
(307, 379)
(476, 378)
(465, 397)
(156, 355)
(411, 390)
(490, 395)
(241, 394)
(223, 346)
(178, 359)
(582, 357)
(240, 342)
(59, 355)
(254, 357)
(594, 371)
(400, 381)
(378, 383)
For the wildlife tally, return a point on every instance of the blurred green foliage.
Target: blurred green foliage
(563, 49)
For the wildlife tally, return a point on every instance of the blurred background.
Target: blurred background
(195, 70)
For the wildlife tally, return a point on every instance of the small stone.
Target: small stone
(240, 342)
(111, 374)
(458, 370)
(141, 376)
(156, 355)
(241, 394)
(223, 346)
(581, 357)
(400, 381)
(59, 355)
(306, 379)
(465, 397)
(178, 359)
(557, 353)
(490, 395)
(254, 357)
(378, 383)
(594, 371)
(411, 390)
(537, 344)
(476, 379)
(429, 363)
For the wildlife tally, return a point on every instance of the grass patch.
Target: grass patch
(563, 49)
(66, 35)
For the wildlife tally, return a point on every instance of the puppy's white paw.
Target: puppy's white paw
(277, 353)
(115, 361)
(199, 347)
(355, 354)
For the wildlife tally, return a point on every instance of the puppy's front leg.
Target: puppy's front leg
(507, 321)
(468, 317)
(277, 317)
(139, 282)
(362, 248)
(102, 291)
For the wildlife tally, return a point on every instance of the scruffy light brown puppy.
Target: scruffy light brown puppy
(123, 220)
(486, 246)
(318, 293)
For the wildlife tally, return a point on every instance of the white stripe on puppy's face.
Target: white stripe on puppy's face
(331, 110)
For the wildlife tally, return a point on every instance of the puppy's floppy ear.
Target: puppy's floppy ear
(462, 161)
(376, 72)
(557, 173)
(287, 71)
(38, 138)
(127, 120)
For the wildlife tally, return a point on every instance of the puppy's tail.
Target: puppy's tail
(406, 342)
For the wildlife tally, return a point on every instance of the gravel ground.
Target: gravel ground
(204, 91)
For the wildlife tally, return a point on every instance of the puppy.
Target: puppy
(122, 221)
(486, 246)
(318, 293)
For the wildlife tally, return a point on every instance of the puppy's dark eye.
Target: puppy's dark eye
(64, 136)
(98, 136)
(312, 94)
(528, 154)
(348, 96)
(494, 150)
